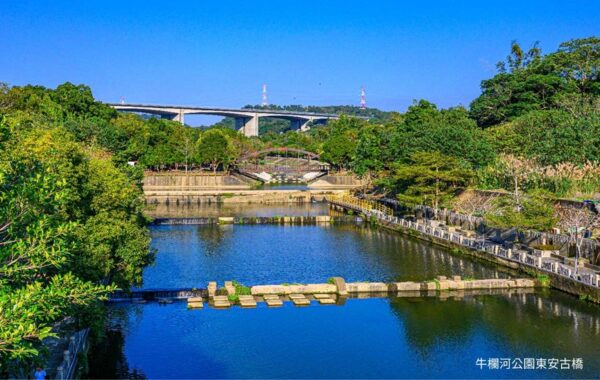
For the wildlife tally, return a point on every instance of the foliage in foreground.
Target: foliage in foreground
(72, 227)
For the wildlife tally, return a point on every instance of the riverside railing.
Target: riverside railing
(77, 343)
(552, 265)
(587, 245)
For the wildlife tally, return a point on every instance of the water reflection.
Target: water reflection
(190, 256)
(382, 338)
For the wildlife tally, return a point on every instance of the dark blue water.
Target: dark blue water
(191, 256)
(374, 338)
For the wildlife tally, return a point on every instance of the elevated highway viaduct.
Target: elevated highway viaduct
(246, 120)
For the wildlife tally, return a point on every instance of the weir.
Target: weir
(336, 291)
(291, 219)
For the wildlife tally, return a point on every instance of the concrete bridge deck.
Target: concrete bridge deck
(246, 120)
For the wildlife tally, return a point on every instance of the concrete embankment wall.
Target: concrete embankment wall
(336, 181)
(235, 196)
(197, 188)
(558, 282)
(194, 181)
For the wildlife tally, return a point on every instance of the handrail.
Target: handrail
(77, 343)
(363, 205)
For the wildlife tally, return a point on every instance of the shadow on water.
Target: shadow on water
(544, 324)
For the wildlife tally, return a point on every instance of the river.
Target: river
(373, 338)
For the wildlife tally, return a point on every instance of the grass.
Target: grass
(545, 247)
(241, 289)
(373, 220)
(544, 280)
(330, 281)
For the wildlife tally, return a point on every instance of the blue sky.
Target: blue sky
(219, 53)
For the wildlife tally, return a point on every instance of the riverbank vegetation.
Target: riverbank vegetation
(72, 227)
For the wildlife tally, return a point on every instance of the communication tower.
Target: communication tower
(265, 101)
(363, 98)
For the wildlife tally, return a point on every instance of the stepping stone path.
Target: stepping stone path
(221, 302)
(272, 300)
(247, 301)
(195, 303)
(299, 299)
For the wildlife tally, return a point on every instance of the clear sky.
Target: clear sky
(219, 53)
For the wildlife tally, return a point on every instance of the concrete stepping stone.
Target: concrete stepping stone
(320, 296)
(221, 302)
(326, 301)
(273, 302)
(300, 301)
(195, 303)
(247, 301)
(271, 296)
(296, 296)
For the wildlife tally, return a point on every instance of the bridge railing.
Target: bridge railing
(367, 207)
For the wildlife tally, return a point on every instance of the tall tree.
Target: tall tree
(215, 149)
(430, 178)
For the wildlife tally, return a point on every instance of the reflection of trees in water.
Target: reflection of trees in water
(544, 322)
(411, 259)
(107, 358)
(429, 321)
(213, 237)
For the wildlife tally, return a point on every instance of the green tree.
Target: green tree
(430, 178)
(69, 221)
(215, 149)
(531, 211)
(450, 132)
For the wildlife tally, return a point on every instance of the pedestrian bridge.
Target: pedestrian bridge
(282, 165)
(246, 120)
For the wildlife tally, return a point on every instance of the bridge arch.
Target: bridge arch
(265, 152)
(280, 161)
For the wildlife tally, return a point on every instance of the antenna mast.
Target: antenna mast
(265, 101)
(363, 98)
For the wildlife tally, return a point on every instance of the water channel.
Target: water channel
(373, 338)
